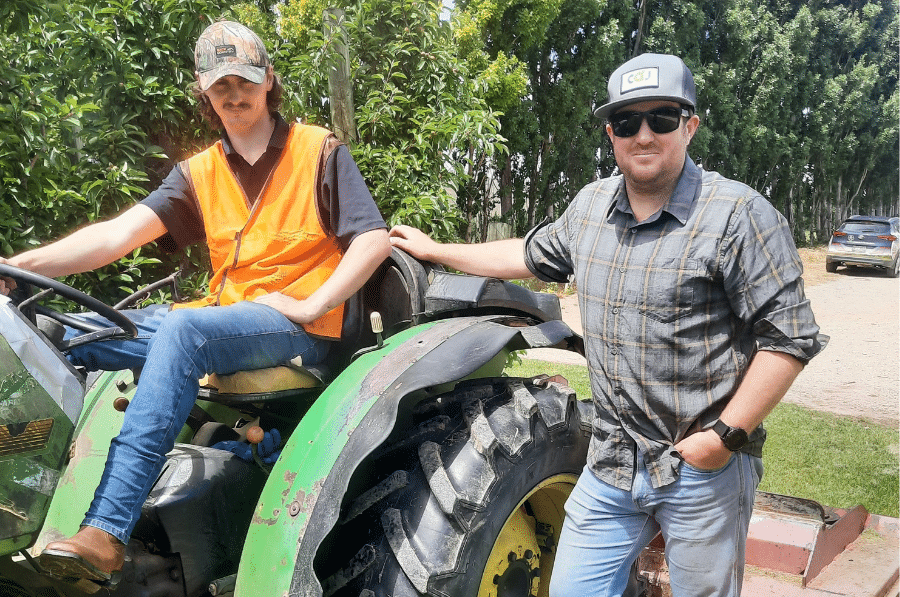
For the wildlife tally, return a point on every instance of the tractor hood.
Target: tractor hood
(41, 397)
(43, 362)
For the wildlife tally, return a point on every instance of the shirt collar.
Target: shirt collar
(278, 139)
(686, 191)
(679, 204)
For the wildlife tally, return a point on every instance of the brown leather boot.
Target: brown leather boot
(91, 554)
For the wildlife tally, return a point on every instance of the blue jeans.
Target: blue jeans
(703, 516)
(176, 349)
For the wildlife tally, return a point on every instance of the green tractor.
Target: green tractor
(410, 465)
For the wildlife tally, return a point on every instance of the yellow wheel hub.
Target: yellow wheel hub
(522, 557)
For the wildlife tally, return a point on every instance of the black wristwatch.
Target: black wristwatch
(734, 438)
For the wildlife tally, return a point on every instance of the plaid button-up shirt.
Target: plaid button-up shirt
(673, 309)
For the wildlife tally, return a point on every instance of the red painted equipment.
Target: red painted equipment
(797, 547)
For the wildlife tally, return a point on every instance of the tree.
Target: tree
(555, 142)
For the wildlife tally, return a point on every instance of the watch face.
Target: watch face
(735, 439)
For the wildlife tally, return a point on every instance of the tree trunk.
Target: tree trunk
(640, 30)
(789, 211)
(486, 204)
(506, 189)
(821, 207)
(471, 217)
(340, 90)
(839, 212)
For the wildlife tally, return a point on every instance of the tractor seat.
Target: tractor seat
(286, 380)
(281, 382)
(289, 376)
(262, 385)
(395, 291)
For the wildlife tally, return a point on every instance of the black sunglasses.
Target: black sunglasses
(661, 120)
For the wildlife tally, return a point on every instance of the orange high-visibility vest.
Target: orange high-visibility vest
(277, 244)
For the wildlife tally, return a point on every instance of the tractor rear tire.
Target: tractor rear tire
(470, 503)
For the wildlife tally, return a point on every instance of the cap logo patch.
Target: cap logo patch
(640, 79)
(225, 51)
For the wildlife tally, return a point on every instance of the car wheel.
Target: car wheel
(895, 271)
(831, 266)
(471, 503)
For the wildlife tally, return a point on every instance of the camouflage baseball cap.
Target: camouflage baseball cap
(649, 77)
(229, 48)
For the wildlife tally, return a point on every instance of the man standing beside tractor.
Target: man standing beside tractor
(695, 324)
(292, 231)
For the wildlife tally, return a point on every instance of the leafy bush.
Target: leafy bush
(420, 117)
(95, 113)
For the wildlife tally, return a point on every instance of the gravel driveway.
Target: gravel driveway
(858, 374)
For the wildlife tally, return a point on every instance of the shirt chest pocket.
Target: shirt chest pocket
(668, 291)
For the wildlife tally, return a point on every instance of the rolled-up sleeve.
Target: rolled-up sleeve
(547, 249)
(762, 274)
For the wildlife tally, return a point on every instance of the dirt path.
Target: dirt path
(858, 374)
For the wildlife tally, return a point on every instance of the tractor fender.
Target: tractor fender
(301, 501)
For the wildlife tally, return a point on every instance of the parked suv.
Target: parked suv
(866, 241)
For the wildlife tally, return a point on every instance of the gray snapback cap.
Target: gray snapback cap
(649, 77)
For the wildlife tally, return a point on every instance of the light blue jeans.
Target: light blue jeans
(176, 349)
(703, 516)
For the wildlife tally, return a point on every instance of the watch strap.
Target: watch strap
(734, 438)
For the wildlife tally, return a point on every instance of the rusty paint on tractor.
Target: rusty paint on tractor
(289, 477)
(321, 440)
(310, 455)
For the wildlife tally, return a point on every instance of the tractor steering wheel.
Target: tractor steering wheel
(123, 328)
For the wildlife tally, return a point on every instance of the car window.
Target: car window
(865, 228)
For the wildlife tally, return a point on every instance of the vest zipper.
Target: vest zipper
(254, 208)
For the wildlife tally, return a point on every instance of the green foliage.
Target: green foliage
(494, 36)
(301, 20)
(505, 81)
(95, 111)
(14, 14)
(420, 117)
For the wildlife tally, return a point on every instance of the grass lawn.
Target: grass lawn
(836, 461)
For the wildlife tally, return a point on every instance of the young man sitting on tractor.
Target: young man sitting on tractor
(292, 232)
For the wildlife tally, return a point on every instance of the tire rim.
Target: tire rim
(521, 560)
